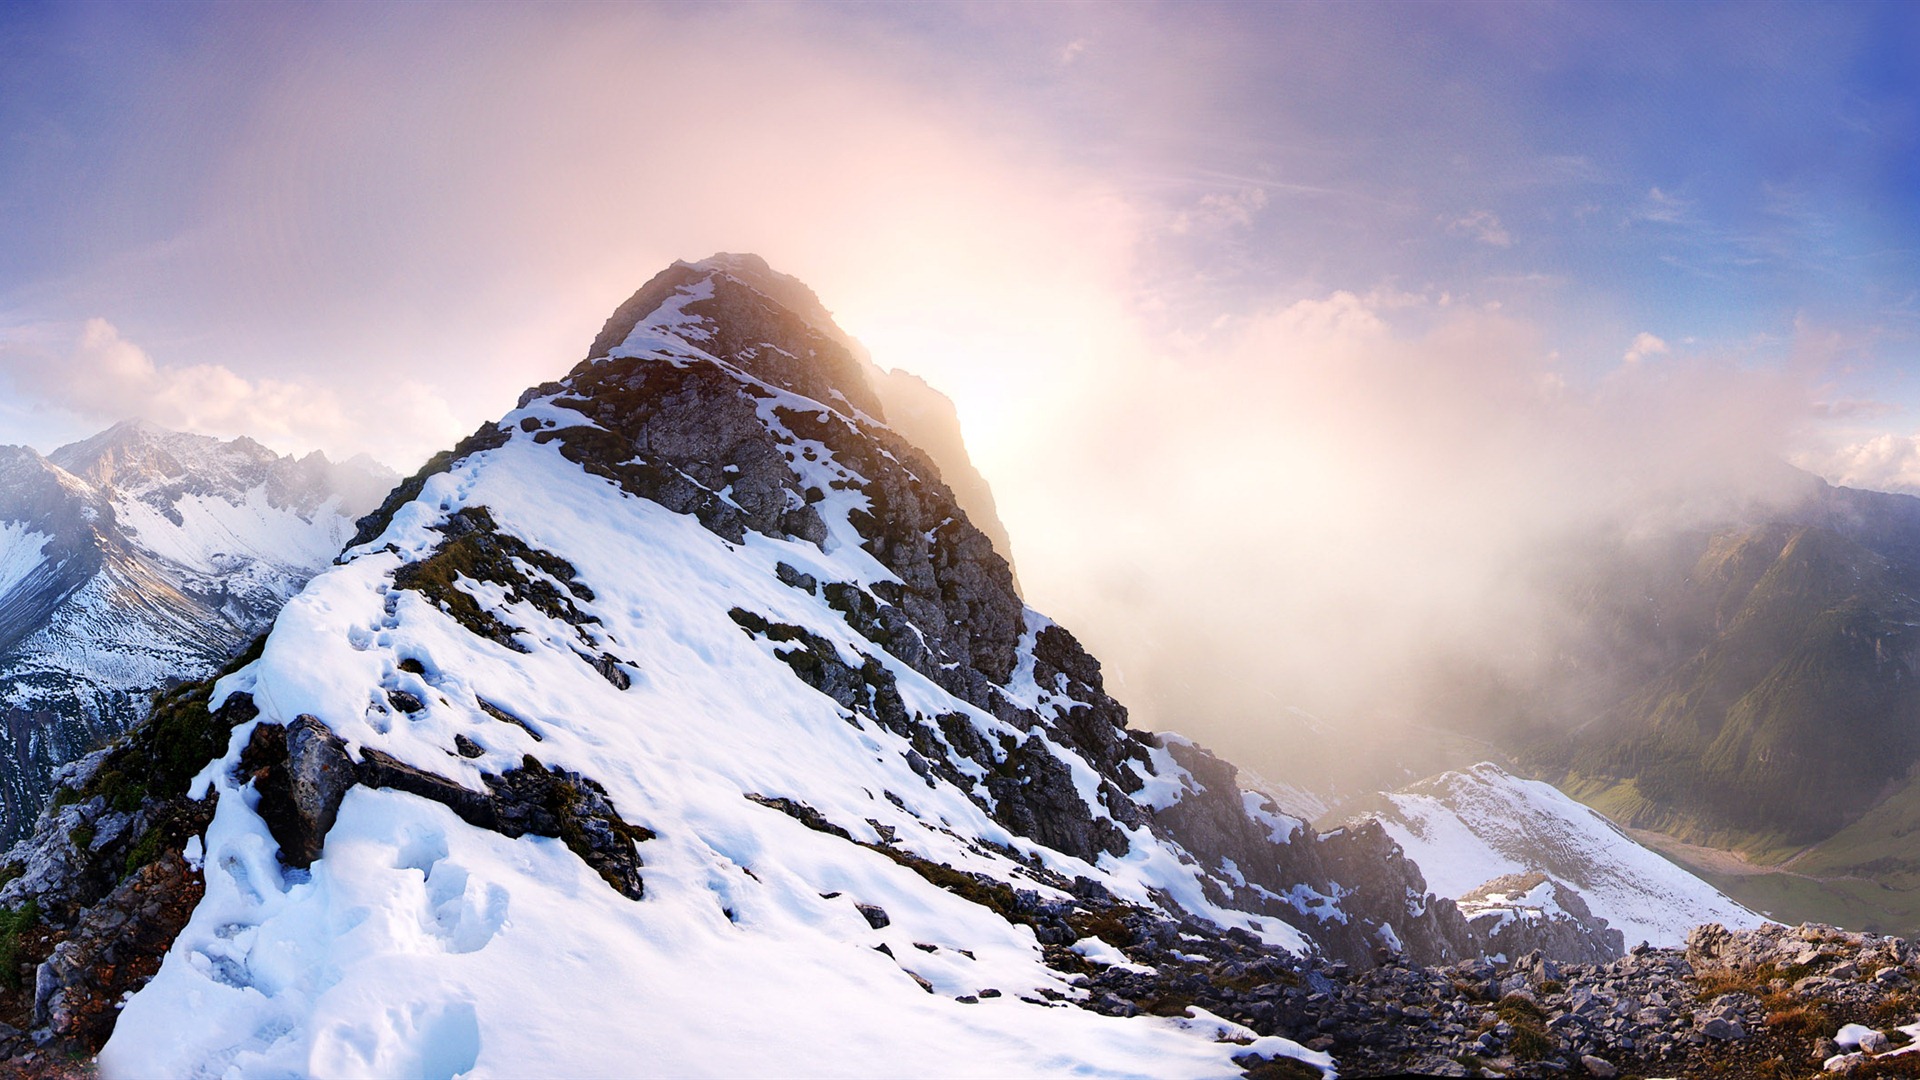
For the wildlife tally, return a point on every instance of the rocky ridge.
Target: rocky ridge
(699, 617)
(1765, 1002)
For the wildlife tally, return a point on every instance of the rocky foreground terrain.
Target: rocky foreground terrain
(1773, 1002)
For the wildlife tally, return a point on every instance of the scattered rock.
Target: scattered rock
(1720, 1028)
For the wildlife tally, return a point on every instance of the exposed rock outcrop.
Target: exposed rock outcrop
(1520, 913)
(303, 772)
(97, 893)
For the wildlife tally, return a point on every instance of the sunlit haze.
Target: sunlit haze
(1279, 330)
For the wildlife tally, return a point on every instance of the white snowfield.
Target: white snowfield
(1465, 828)
(216, 533)
(20, 554)
(419, 946)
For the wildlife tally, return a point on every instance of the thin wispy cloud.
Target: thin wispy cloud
(1644, 345)
(1663, 207)
(1221, 209)
(1481, 225)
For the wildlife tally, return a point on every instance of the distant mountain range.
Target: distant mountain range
(138, 558)
(1747, 683)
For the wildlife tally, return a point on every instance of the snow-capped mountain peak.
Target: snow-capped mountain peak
(689, 682)
(688, 688)
(1466, 827)
(138, 557)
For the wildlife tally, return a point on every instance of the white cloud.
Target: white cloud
(1334, 488)
(1222, 210)
(1643, 346)
(1481, 225)
(103, 378)
(1881, 463)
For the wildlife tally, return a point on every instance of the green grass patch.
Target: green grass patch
(15, 922)
(1529, 1041)
(160, 758)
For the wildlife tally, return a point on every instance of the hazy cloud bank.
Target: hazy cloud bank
(1308, 506)
(104, 378)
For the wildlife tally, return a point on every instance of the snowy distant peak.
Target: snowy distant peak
(37, 492)
(139, 556)
(358, 483)
(137, 459)
(735, 308)
(1467, 827)
(209, 507)
(135, 454)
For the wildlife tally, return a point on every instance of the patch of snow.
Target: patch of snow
(1167, 782)
(1465, 828)
(21, 553)
(1098, 951)
(1281, 829)
(1849, 1036)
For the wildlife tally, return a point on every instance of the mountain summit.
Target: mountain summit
(686, 698)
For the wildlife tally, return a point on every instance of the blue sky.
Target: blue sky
(1719, 174)
(1483, 267)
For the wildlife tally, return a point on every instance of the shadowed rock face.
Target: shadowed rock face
(926, 418)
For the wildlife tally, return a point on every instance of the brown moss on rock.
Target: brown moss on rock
(477, 550)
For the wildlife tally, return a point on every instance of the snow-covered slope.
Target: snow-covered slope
(682, 722)
(410, 946)
(139, 557)
(1464, 828)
